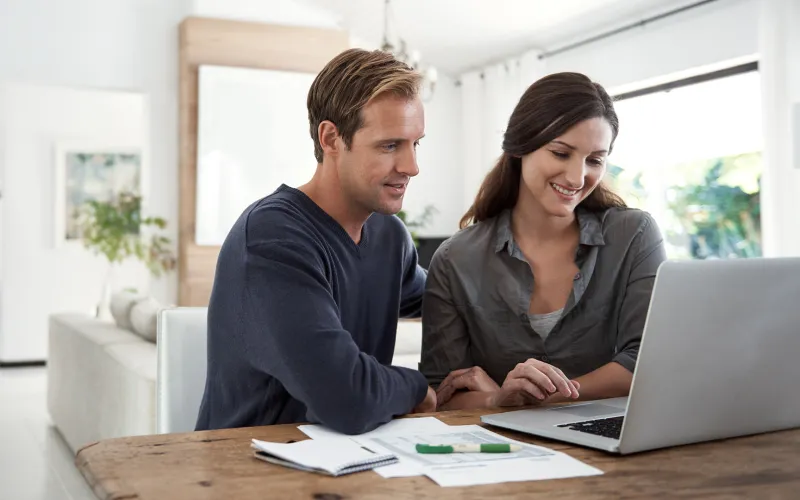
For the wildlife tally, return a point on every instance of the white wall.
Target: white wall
(439, 182)
(780, 81)
(708, 38)
(132, 45)
(128, 45)
(39, 274)
(697, 41)
(288, 12)
(707, 35)
(440, 160)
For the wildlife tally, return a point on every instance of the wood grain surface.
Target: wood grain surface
(219, 464)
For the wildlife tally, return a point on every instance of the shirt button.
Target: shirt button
(577, 276)
(545, 359)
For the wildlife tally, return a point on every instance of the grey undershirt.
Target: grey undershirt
(543, 323)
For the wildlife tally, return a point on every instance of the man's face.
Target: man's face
(375, 170)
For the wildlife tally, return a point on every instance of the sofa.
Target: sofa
(102, 372)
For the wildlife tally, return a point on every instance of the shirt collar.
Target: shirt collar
(591, 227)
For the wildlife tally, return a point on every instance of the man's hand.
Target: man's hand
(428, 404)
(534, 381)
(471, 379)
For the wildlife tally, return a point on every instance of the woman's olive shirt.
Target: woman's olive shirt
(475, 310)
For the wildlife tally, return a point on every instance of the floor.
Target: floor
(35, 463)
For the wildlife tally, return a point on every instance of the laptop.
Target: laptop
(718, 359)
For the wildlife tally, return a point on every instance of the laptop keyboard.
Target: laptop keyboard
(606, 427)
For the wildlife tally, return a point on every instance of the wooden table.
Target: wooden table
(219, 464)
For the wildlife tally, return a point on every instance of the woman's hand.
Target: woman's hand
(471, 379)
(533, 382)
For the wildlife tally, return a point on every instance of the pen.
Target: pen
(468, 448)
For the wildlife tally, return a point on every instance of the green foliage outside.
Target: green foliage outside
(713, 205)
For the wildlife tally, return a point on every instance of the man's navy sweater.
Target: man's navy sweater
(302, 320)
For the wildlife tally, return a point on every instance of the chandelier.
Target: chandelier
(412, 58)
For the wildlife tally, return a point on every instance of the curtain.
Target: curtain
(488, 96)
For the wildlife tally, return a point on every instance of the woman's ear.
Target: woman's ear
(328, 135)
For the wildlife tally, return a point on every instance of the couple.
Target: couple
(542, 295)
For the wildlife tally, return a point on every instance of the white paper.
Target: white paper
(467, 469)
(399, 426)
(333, 456)
(402, 426)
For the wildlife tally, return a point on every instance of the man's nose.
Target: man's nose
(407, 163)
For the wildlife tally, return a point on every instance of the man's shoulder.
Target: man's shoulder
(388, 226)
(280, 216)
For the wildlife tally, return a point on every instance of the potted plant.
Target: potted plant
(114, 229)
(418, 222)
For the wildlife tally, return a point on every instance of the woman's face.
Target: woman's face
(561, 174)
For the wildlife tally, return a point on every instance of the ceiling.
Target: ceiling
(456, 35)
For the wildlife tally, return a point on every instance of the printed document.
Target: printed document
(467, 469)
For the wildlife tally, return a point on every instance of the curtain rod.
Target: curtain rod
(608, 34)
(638, 24)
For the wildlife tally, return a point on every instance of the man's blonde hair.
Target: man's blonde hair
(349, 82)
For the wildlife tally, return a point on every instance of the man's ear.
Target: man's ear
(328, 133)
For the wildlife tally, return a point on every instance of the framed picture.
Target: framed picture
(86, 171)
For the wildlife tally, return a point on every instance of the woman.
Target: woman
(543, 294)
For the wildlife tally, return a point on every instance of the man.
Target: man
(310, 282)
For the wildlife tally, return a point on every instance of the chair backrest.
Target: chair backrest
(181, 377)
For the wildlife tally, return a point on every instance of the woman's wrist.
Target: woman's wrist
(469, 400)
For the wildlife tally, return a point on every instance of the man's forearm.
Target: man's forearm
(609, 381)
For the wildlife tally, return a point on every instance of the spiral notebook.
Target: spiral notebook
(334, 457)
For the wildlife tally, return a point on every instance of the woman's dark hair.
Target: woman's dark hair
(550, 107)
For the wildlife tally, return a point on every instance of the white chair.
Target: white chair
(181, 377)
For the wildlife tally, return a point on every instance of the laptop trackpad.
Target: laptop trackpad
(588, 410)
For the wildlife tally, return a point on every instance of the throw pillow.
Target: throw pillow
(144, 318)
(121, 304)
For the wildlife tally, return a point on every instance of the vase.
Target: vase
(103, 309)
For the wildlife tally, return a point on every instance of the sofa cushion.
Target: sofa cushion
(97, 331)
(121, 304)
(140, 358)
(409, 337)
(144, 318)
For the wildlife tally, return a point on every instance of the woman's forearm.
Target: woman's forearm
(609, 381)
(468, 400)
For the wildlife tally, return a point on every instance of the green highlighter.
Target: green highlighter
(468, 448)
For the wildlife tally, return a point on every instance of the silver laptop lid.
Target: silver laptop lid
(719, 353)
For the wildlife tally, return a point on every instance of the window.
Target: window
(691, 156)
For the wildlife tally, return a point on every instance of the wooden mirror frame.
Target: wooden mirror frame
(229, 43)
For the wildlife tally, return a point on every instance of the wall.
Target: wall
(440, 160)
(780, 81)
(439, 182)
(131, 45)
(128, 45)
(40, 274)
(289, 12)
(707, 35)
(707, 38)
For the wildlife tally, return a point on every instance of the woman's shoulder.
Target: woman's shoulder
(468, 244)
(623, 224)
